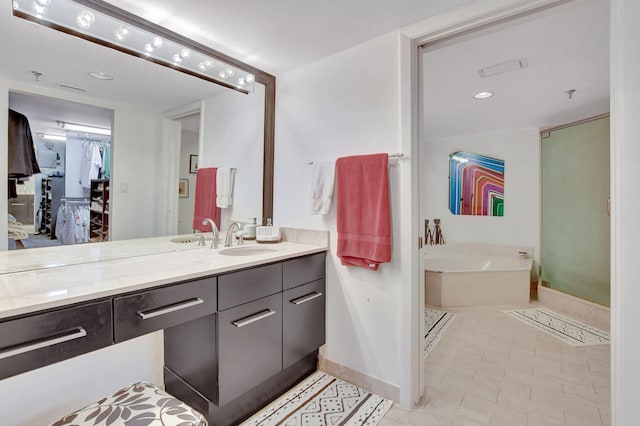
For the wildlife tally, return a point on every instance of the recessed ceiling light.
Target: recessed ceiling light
(483, 95)
(101, 75)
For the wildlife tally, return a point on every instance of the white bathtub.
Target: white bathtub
(462, 274)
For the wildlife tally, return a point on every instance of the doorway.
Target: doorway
(189, 148)
(493, 60)
(65, 199)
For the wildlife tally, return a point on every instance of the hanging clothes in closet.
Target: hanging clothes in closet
(22, 154)
(95, 161)
(72, 223)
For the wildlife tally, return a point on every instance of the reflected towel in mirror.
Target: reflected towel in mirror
(205, 202)
(224, 185)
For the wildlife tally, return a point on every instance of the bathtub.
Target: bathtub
(462, 274)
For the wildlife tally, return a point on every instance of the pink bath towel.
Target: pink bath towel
(205, 203)
(364, 211)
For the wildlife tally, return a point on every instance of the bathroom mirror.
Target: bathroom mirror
(141, 89)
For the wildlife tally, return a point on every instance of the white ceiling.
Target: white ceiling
(566, 48)
(275, 35)
(279, 35)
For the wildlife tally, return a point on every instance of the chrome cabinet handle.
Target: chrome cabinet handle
(306, 298)
(17, 204)
(28, 347)
(253, 318)
(172, 308)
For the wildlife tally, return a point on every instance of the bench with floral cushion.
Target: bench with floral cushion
(140, 404)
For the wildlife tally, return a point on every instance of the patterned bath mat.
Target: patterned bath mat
(323, 400)
(435, 324)
(564, 328)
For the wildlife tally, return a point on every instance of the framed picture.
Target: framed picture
(476, 184)
(193, 164)
(183, 188)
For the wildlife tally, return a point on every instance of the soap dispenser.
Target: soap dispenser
(250, 229)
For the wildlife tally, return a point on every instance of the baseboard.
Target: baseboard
(370, 383)
(588, 312)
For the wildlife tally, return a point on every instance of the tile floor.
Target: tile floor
(491, 369)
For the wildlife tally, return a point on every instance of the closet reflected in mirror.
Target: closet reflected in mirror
(59, 172)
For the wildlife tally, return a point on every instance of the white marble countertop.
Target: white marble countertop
(60, 282)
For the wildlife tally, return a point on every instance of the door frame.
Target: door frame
(479, 14)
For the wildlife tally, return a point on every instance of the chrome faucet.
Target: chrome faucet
(227, 240)
(214, 227)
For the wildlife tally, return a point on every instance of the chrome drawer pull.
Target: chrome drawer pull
(306, 298)
(17, 204)
(172, 308)
(79, 333)
(253, 318)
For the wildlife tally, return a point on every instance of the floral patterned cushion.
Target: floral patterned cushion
(140, 404)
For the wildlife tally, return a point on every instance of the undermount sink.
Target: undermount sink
(247, 251)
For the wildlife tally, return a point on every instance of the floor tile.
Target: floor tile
(492, 370)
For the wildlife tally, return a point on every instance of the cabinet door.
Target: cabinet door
(152, 310)
(249, 346)
(303, 323)
(41, 339)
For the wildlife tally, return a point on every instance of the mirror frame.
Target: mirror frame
(261, 77)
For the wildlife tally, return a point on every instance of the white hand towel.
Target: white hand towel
(322, 181)
(224, 187)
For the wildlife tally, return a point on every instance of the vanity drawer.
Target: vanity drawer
(152, 310)
(41, 339)
(241, 287)
(303, 270)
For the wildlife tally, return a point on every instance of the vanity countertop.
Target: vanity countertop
(59, 283)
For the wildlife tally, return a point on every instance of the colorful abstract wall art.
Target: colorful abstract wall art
(476, 185)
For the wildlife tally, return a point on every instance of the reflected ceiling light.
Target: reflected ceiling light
(73, 127)
(101, 75)
(122, 33)
(157, 42)
(102, 23)
(48, 137)
(85, 19)
(483, 95)
(39, 9)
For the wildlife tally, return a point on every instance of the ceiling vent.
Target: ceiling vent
(67, 87)
(503, 67)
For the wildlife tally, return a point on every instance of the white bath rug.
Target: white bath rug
(435, 324)
(323, 400)
(564, 328)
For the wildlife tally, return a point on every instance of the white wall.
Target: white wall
(346, 104)
(625, 157)
(188, 147)
(137, 169)
(232, 135)
(520, 225)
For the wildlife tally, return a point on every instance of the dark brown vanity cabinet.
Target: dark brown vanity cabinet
(268, 328)
(41, 339)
